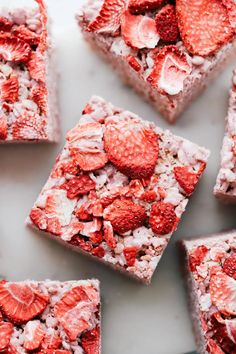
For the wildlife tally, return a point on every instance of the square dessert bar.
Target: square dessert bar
(225, 188)
(210, 268)
(168, 51)
(50, 317)
(28, 77)
(118, 189)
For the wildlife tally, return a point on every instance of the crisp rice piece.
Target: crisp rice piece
(50, 317)
(123, 208)
(167, 51)
(210, 270)
(28, 83)
(225, 188)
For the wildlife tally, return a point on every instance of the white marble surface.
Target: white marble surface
(136, 319)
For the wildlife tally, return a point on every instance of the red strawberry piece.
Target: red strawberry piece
(20, 302)
(149, 196)
(51, 341)
(134, 63)
(90, 341)
(231, 329)
(6, 331)
(3, 127)
(125, 215)
(5, 24)
(78, 185)
(108, 20)
(39, 218)
(223, 293)
(80, 242)
(186, 179)
(109, 235)
(229, 266)
(39, 95)
(213, 348)
(130, 254)
(196, 257)
(74, 311)
(44, 20)
(63, 168)
(54, 226)
(131, 147)
(231, 9)
(162, 219)
(96, 237)
(36, 67)
(25, 34)
(139, 31)
(86, 146)
(83, 214)
(204, 25)
(10, 350)
(34, 334)
(54, 351)
(167, 25)
(98, 252)
(14, 49)
(138, 6)
(88, 109)
(10, 90)
(29, 126)
(171, 67)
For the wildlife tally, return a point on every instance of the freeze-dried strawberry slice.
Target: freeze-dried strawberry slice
(108, 20)
(229, 266)
(139, 31)
(231, 9)
(3, 127)
(223, 293)
(78, 185)
(14, 49)
(130, 254)
(20, 302)
(33, 335)
(6, 331)
(39, 218)
(39, 95)
(131, 147)
(29, 126)
(36, 67)
(109, 234)
(163, 219)
(204, 25)
(137, 6)
(171, 68)
(5, 24)
(197, 256)
(125, 215)
(51, 341)
(213, 348)
(74, 311)
(25, 34)
(167, 25)
(90, 341)
(44, 19)
(187, 179)
(10, 90)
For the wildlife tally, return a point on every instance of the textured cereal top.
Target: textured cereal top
(162, 40)
(212, 263)
(118, 188)
(50, 317)
(23, 90)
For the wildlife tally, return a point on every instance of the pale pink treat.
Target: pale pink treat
(28, 77)
(167, 52)
(118, 189)
(50, 317)
(225, 188)
(210, 270)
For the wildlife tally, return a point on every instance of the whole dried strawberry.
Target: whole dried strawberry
(187, 179)
(197, 256)
(130, 254)
(90, 341)
(229, 266)
(204, 25)
(138, 6)
(10, 90)
(15, 50)
(78, 185)
(125, 215)
(167, 25)
(162, 219)
(131, 147)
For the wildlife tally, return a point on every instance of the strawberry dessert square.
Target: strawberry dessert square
(50, 317)
(225, 188)
(28, 78)
(168, 51)
(210, 269)
(118, 189)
